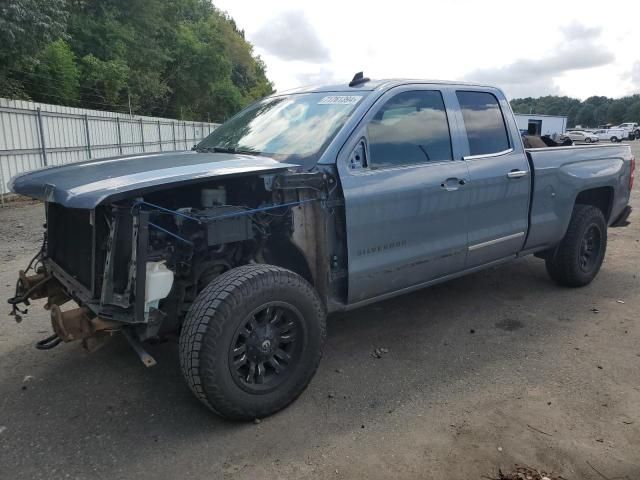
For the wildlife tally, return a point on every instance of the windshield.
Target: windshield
(288, 128)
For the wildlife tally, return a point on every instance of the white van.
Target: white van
(612, 134)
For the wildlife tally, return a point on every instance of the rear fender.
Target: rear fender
(557, 190)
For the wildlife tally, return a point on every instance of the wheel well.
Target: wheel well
(281, 251)
(598, 197)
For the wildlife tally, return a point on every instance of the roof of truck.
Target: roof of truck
(371, 85)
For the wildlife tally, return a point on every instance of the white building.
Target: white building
(541, 124)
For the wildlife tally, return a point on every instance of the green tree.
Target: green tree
(616, 112)
(56, 75)
(633, 111)
(105, 81)
(591, 112)
(26, 27)
(586, 116)
(181, 58)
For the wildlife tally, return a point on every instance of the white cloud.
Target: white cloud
(530, 77)
(290, 36)
(543, 50)
(632, 78)
(320, 76)
(578, 31)
(634, 75)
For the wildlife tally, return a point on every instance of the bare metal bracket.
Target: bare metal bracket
(147, 359)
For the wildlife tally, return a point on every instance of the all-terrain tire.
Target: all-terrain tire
(212, 324)
(572, 264)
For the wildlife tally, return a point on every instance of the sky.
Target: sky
(579, 49)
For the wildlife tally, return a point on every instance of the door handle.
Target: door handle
(452, 184)
(516, 174)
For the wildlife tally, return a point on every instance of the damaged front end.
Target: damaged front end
(98, 259)
(135, 266)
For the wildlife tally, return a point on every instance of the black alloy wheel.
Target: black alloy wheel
(252, 341)
(590, 248)
(577, 259)
(266, 346)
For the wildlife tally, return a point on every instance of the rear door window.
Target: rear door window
(410, 128)
(484, 122)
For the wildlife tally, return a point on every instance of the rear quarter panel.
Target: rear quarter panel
(561, 173)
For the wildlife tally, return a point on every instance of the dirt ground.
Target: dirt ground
(495, 369)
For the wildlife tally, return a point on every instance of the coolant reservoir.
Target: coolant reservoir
(158, 284)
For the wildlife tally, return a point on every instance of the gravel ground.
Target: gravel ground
(491, 370)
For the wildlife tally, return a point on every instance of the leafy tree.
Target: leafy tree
(56, 75)
(586, 115)
(591, 112)
(105, 79)
(633, 110)
(26, 27)
(616, 112)
(180, 58)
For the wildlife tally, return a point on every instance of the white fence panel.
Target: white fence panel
(36, 135)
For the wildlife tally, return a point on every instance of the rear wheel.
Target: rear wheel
(252, 341)
(578, 258)
(587, 140)
(614, 139)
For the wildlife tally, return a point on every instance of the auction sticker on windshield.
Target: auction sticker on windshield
(340, 100)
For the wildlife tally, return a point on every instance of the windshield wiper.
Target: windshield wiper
(218, 149)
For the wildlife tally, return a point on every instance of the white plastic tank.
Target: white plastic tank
(158, 284)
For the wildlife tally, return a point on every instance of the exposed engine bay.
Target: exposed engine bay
(136, 265)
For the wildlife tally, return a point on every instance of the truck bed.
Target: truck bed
(559, 173)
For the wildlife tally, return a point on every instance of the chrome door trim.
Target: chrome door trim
(495, 240)
(488, 155)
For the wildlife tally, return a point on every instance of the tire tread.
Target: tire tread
(207, 318)
(561, 266)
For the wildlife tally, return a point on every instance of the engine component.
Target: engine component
(210, 197)
(226, 225)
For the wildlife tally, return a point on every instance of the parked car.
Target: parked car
(582, 136)
(612, 135)
(632, 129)
(307, 202)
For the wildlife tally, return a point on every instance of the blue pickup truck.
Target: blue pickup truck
(305, 203)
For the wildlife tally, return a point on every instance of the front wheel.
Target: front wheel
(252, 341)
(587, 140)
(578, 258)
